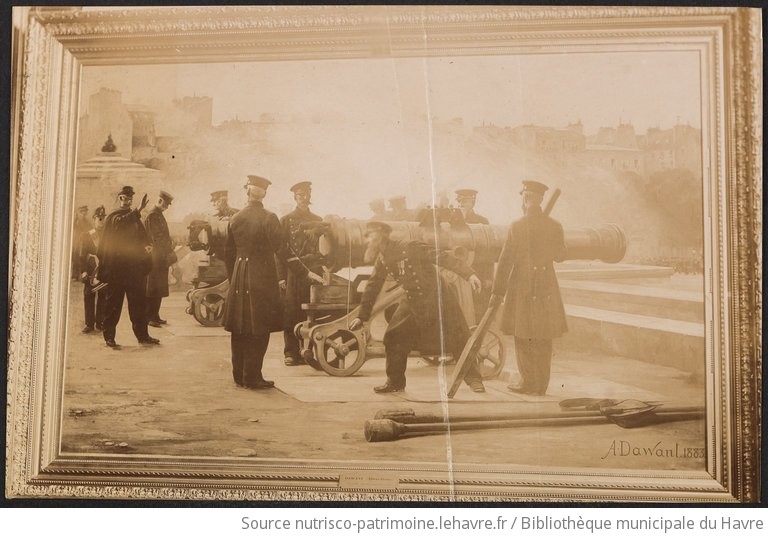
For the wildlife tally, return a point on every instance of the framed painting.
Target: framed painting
(635, 131)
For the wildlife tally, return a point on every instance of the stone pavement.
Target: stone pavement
(178, 399)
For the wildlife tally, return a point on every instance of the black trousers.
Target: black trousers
(296, 294)
(153, 308)
(95, 305)
(403, 335)
(137, 309)
(534, 361)
(248, 357)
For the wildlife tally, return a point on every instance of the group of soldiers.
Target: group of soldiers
(265, 255)
(271, 264)
(122, 257)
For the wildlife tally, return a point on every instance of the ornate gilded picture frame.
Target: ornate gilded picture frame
(166, 422)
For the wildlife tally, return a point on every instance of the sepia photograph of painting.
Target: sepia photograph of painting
(495, 268)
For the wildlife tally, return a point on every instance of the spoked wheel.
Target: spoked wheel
(341, 354)
(209, 310)
(490, 356)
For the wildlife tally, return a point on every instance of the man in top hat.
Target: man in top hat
(299, 256)
(80, 226)
(533, 310)
(163, 257)
(125, 259)
(94, 294)
(428, 317)
(252, 310)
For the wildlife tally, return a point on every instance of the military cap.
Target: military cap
(377, 226)
(216, 195)
(534, 186)
(258, 181)
(301, 186)
(99, 212)
(127, 190)
(166, 196)
(466, 192)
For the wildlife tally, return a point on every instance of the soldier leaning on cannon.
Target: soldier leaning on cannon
(94, 294)
(253, 307)
(428, 318)
(298, 257)
(125, 259)
(533, 309)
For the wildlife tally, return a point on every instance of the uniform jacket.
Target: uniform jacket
(525, 273)
(86, 252)
(429, 298)
(122, 251)
(218, 242)
(162, 253)
(253, 304)
(298, 244)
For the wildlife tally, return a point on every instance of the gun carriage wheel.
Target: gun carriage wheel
(340, 352)
(490, 355)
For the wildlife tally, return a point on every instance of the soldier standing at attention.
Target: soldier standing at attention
(299, 255)
(163, 257)
(89, 264)
(81, 226)
(533, 310)
(125, 259)
(252, 309)
(428, 318)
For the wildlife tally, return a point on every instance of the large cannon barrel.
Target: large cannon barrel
(344, 240)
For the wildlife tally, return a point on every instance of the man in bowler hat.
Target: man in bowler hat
(163, 257)
(125, 259)
(533, 310)
(253, 308)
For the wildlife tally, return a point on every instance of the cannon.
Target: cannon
(328, 343)
(206, 299)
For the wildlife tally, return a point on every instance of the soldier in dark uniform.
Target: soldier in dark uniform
(125, 259)
(533, 310)
(466, 199)
(428, 318)
(94, 295)
(163, 257)
(252, 309)
(298, 256)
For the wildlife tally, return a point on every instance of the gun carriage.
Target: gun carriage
(206, 299)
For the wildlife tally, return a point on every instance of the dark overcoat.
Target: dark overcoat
(533, 307)
(122, 251)
(253, 304)
(298, 255)
(428, 300)
(162, 253)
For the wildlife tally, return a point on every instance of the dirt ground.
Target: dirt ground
(178, 399)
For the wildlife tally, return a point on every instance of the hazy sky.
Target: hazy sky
(648, 89)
